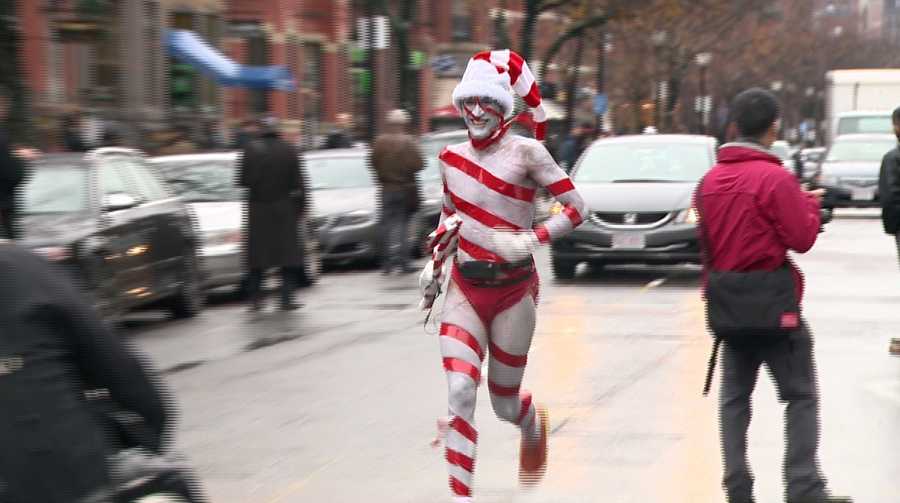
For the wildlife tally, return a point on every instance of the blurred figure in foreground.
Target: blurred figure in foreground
(752, 211)
(270, 169)
(396, 160)
(53, 351)
(889, 195)
(12, 171)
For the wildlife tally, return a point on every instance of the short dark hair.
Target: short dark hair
(754, 111)
(896, 116)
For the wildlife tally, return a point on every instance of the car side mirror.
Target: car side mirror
(118, 201)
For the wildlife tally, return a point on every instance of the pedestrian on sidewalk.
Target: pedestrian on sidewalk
(889, 196)
(752, 211)
(12, 170)
(270, 169)
(395, 160)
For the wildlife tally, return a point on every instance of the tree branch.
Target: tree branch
(574, 31)
(548, 6)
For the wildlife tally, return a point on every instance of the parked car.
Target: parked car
(639, 191)
(105, 218)
(852, 164)
(345, 211)
(428, 216)
(207, 183)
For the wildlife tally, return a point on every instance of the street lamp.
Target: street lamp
(703, 105)
(659, 40)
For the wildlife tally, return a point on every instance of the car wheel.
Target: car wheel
(311, 266)
(189, 300)
(564, 269)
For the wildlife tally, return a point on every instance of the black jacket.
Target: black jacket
(12, 172)
(889, 191)
(53, 348)
(270, 170)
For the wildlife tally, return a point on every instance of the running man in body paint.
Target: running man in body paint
(490, 184)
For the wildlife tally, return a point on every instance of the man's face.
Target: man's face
(897, 130)
(482, 116)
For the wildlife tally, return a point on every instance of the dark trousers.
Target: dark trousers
(395, 219)
(897, 239)
(792, 367)
(7, 224)
(287, 284)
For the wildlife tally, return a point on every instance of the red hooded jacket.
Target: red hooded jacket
(755, 211)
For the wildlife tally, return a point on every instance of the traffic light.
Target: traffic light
(182, 85)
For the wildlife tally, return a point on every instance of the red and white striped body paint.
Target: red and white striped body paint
(486, 191)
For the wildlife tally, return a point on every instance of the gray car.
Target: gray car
(639, 193)
(853, 163)
(345, 211)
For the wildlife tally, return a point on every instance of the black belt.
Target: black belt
(485, 273)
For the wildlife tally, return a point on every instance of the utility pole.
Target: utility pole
(371, 63)
(601, 75)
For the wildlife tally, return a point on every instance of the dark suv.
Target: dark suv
(105, 218)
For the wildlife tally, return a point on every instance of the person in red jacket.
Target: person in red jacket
(755, 211)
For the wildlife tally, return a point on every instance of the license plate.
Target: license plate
(863, 194)
(629, 241)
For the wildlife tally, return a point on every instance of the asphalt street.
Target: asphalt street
(338, 401)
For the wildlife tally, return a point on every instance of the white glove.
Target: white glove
(426, 277)
(513, 246)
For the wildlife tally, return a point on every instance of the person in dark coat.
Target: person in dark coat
(12, 171)
(340, 136)
(270, 169)
(889, 196)
(54, 349)
(575, 145)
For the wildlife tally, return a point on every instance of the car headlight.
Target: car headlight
(54, 253)
(222, 237)
(353, 218)
(688, 216)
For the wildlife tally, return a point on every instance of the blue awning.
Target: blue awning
(186, 46)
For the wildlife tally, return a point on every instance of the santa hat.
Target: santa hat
(496, 75)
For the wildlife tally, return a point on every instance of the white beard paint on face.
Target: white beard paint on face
(481, 124)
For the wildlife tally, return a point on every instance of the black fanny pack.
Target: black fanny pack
(480, 271)
(752, 308)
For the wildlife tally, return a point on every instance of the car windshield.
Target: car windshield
(338, 172)
(56, 190)
(431, 148)
(644, 162)
(202, 180)
(781, 150)
(860, 151)
(872, 124)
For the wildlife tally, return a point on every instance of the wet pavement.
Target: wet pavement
(337, 402)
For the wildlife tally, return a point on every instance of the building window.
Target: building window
(107, 63)
(461, 20)
(311, 81)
